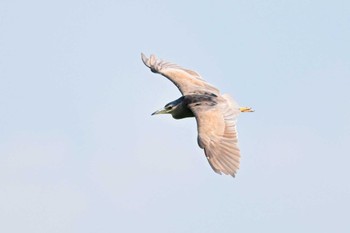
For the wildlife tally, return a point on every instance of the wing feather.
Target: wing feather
(217, 134)
(187, 81)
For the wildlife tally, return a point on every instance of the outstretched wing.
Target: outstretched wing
(187, 81)
(217, 134)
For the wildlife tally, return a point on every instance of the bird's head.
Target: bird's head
(175, 108)
(168, 109)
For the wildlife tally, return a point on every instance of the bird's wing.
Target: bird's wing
(217, 134)
(187, 81)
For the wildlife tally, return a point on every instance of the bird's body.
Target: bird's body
(185, 102)
(216, 114)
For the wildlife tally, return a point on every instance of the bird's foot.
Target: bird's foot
(246, 109)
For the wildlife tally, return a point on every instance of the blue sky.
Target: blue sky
(79, 151)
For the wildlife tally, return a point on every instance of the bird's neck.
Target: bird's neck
(181, 111)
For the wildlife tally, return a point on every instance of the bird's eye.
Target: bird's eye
(168, 107)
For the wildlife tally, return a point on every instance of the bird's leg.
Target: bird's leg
(246, 109)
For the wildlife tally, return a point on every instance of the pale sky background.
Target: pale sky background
(80, 152)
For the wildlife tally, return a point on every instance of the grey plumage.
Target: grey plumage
(216, 114)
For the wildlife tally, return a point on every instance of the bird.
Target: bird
(216, 114)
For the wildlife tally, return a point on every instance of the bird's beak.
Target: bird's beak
(160, 111)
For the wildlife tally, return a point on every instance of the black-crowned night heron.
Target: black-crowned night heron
(216, 114)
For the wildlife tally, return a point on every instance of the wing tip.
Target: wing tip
(145, 59)
(222, 166)
(150, 62)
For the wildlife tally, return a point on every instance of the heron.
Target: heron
(216, 114)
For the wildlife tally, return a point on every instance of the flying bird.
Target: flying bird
(216, 114)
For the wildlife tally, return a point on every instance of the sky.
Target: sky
(80, 151)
